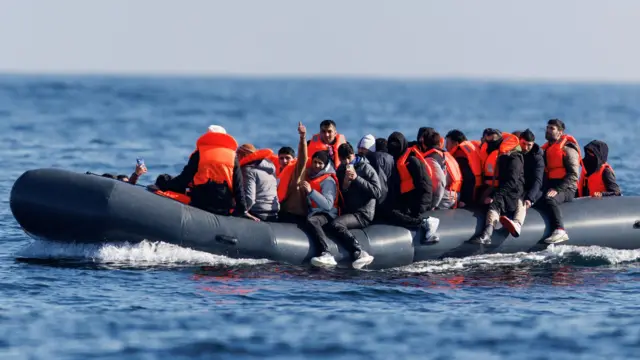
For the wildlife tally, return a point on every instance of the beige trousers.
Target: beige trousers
(518, 215)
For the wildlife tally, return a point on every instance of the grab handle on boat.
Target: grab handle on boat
(229, 240)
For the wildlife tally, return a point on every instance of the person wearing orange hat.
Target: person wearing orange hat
(259, 182)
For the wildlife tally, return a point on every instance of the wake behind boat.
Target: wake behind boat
(65, 206)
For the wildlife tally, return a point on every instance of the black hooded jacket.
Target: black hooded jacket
(212, 197)
(362, 193)
(510, 178)
(417, 201)
(533, 174)
(383, 163)
(593, 164)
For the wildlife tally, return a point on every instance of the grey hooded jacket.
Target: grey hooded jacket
(261, 188)
(324, 199)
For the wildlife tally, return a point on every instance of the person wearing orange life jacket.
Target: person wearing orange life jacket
(504, 177)
(321, 189)
(410, 191)
(597, 178)
(562, 164)
(445, 170)
(467, 156)
(327, 139)
(214, 171)
(359, 187)
(533, 178)
(259, 182)
(293, 199)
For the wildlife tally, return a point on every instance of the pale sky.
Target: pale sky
(540, 39)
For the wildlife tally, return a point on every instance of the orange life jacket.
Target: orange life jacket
(183, 198)
(316, 145)
(285, 178)
(258, 155)
(431, 171)
(471, 152)
(315, 185)
(455, 177)
(554, 155)
(276, 161)
(406, 181)
(509, 142)
(593, 181)
(476, 143)
(217, 157)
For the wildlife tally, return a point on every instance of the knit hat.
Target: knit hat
(244, 150)
(217, 129)
(368, 142)
(321, 155)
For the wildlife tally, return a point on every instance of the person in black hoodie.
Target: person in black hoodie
(360, 187)
(506, 196)
(533, 177)
(409, 199)
(597, 178)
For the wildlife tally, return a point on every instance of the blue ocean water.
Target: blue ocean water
(149, 300)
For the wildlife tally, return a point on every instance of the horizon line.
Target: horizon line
(318, 76)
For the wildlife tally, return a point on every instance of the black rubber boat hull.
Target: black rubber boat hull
(65, 206)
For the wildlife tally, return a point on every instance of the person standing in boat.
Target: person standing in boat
(410, 190)
(360, 187)
(597, 178)
(213, 173)
(293, 201)
(327, 139)
(562, 164)
(381, 162)
(533, 178)
(467, 156)
(503, 177)
(259, 182)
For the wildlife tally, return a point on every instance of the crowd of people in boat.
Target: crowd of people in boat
(330, 186)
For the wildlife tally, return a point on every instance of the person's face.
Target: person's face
(348, 159)
(363, 151)
(317, 165)
(526, 145)
(450, 144)
(491, 137)
(552, 133)
(284, 160)
(328, 134)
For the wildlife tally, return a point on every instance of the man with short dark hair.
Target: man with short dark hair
(360, 187)
(286, 154)
(562, 165)
(533, 176)
(327, 139)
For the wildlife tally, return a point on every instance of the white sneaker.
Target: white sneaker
(432, 227)
(363, 260)
(324, 260)
(558, 236)
(513, 227)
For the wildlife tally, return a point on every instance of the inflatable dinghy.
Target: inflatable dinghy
(64, 206)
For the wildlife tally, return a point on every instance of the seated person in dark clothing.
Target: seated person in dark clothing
(381, 162)
(533, 177)
(505, 189)
(213, 173)
(410, 190)
(360, 187)
(597, 178)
